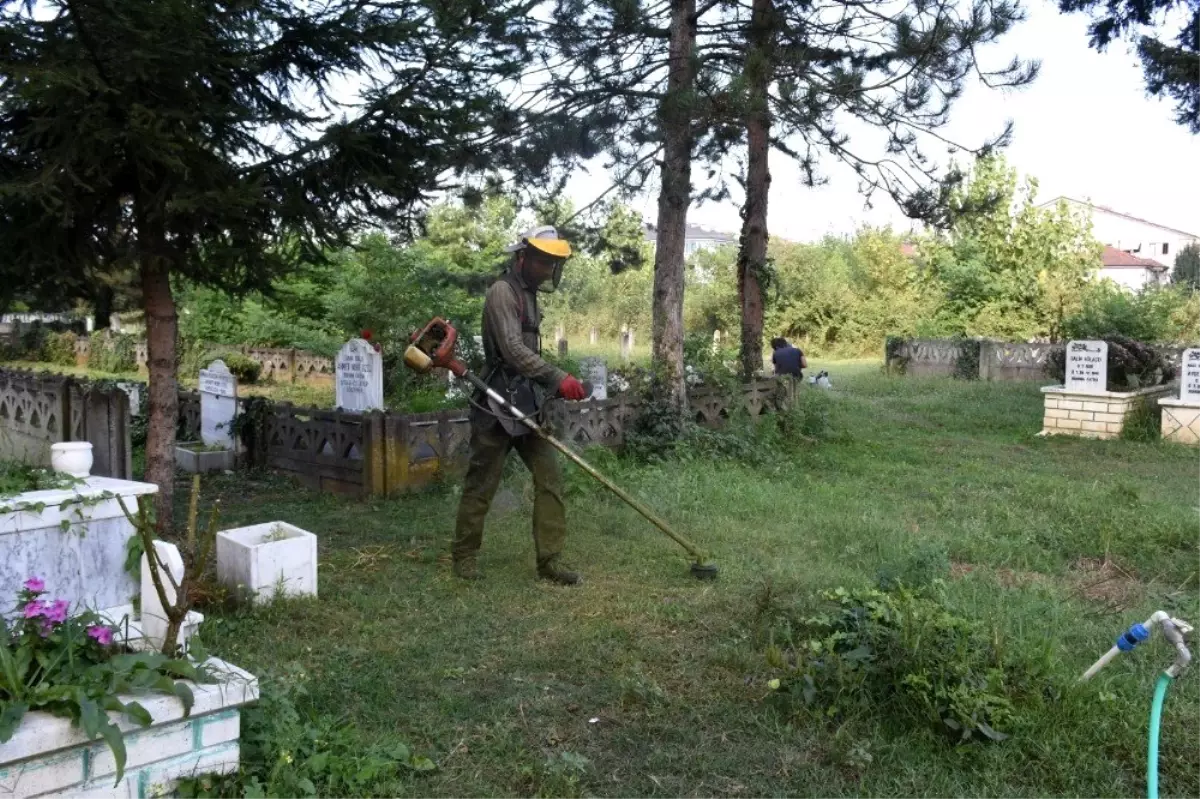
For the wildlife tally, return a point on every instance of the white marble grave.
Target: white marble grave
(1181, 417)
(83, 563)
(1087, 367)
(218, 405)
(359, 382)
(595, 371)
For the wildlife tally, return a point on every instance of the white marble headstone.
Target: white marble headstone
(218, 405)
(596, 372)
(1087, 366)
(359, 383)
(1189, 378)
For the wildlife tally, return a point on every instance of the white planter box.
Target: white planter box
(262, 558)
(83, 563)
(1096, 415)
(203, 461)
(48, 756)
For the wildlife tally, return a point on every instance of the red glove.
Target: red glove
(571, 389)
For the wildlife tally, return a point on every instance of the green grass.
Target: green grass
(659, 681)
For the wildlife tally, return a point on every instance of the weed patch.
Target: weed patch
(900, 654)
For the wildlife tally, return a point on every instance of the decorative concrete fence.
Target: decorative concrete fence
(970, 359)
(983, 359)
(38, 410)
(382, 453)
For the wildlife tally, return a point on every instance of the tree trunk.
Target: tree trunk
(103, 306)
(161, 327)
(673, 200)
(752, 254)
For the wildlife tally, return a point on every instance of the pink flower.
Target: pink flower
(35, 585)
(102, 635)
(58, 611)
(46, 629)
(35, 608)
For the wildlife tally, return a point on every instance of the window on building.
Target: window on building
(1166, 248)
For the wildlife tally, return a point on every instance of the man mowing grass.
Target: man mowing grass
(512, 346)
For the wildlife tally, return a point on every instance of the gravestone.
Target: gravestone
(218, 405)
(359, 381)
(1087, 367)
(593, 336)
(562, 348)
(596, 372)
(626, 344)
(716, 345)
(1189, 379)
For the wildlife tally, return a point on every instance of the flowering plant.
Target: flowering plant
(75, 666)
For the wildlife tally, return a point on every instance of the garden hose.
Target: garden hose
(1176, 632)
(1160, 694)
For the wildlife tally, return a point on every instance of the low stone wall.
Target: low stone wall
(49, 756)
(1095, 415)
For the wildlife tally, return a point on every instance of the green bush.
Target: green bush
(902, 656)
(286, 750)
(1155, 314)
(114, 353)
(59, 348)
(243, 367)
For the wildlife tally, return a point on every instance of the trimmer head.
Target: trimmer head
(705, 571)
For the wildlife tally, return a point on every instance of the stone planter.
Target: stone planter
(191, 458)
(1099, 414)
(48, 756)
(263, 559)
(82, 563)
(1180, 420)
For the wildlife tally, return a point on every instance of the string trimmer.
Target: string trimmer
(433, 348)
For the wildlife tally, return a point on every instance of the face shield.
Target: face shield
(541, 255)
(542, 271)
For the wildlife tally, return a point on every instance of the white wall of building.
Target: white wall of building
(1143, 239)
(1130, 278)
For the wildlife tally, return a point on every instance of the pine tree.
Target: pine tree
(1171, 68)
(223, 142)
(798, 71)
(1187, 267)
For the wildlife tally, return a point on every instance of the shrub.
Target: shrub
(289, 751)
(113, 353)
(903, 655)
(1155, 314)
(1131, 365)
(243, 367)
(59, 348)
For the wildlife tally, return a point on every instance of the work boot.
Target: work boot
(556, 573)
(466, 569)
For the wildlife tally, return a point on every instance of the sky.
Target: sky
(1085, 129)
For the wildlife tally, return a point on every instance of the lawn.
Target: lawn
(644, 682)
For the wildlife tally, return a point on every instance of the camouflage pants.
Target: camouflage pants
(489, 450)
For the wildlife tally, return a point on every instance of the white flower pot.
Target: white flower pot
(72, 457)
